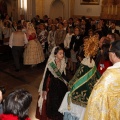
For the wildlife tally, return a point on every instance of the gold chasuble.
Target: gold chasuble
(104, 101)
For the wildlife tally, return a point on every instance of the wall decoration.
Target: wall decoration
(89, 2)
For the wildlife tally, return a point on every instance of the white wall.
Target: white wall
(82, 10)
(87, 10)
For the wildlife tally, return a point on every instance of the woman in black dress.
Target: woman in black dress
(55, 91)
(76, 42)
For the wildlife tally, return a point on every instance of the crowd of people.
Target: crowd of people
(84, 48)
(41, 35)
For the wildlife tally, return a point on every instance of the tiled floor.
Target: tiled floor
(28, 78)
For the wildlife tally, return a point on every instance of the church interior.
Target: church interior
(30, 77)
(104, 9)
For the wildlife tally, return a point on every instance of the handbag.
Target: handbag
(68, 116)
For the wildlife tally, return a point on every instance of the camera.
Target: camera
(2, 89)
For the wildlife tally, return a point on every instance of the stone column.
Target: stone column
(40, 8)
(72, 5)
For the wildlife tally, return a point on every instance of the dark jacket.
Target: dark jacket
(76, 42)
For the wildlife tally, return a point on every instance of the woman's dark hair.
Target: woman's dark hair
(42, 24)
(19, 27)
(57, 49)
(105, 49)
(71, 19)
(61, 23)
(57, 19)
(115, 47)
(17, 103)
(112, 35)
(100, 33)
(71, 29)
(91, 30)
(77, 28)
(53, 25)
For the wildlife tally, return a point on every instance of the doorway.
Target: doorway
(57, 9)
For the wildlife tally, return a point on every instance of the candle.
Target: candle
(112, 10)
(108, 9)
(116, 10)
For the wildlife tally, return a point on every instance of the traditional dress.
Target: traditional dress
(57, 88)
(60, 37)
(80, 85)
(51, 40)
(104, 100)
(42, 37)
(33, 53)
(76, 42)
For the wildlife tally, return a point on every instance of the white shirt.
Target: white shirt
(68, 40)
(11, 40)
(113, 30)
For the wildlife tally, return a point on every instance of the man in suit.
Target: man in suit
(112, 29)
(22, 19)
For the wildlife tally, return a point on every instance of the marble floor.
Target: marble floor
(27, 78)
